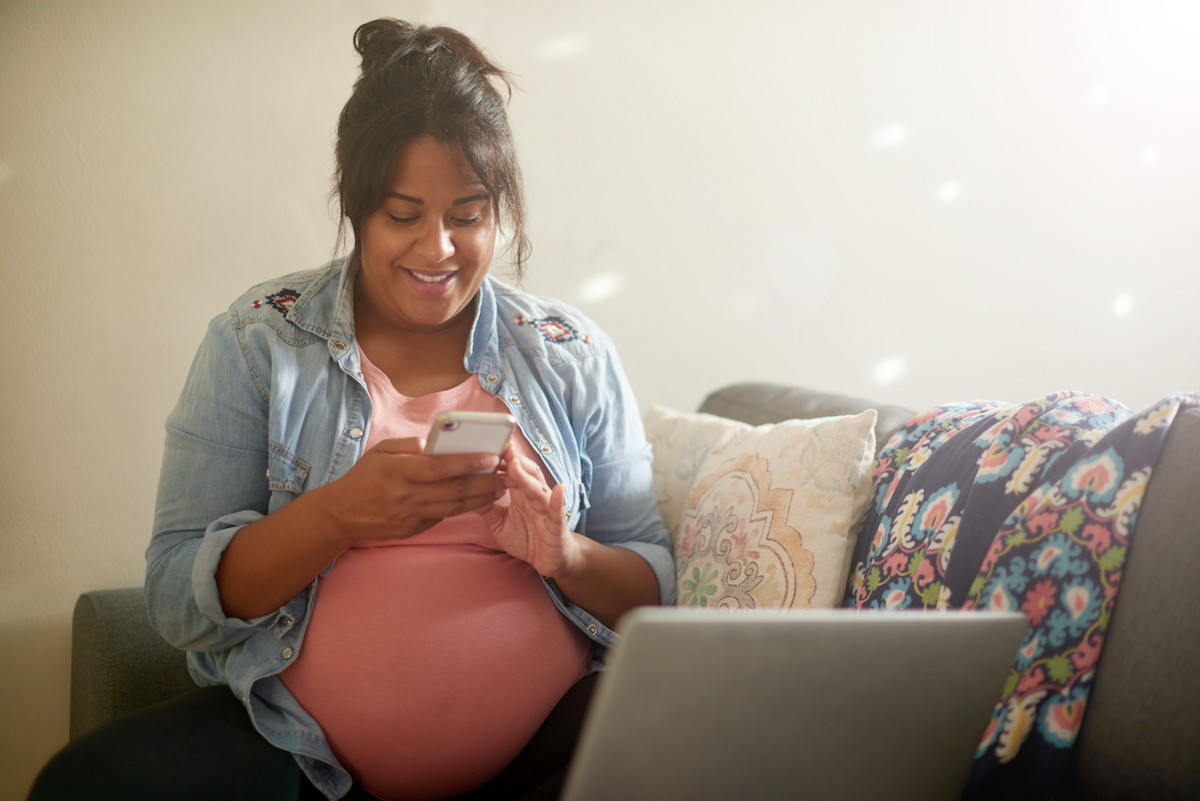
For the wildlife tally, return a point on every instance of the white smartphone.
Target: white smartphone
(470, 432)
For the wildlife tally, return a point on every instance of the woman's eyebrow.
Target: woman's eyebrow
(419, 202)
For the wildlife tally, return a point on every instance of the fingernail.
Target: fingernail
(487, 462)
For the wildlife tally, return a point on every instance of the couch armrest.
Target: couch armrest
(1141, 737)
(119, 664)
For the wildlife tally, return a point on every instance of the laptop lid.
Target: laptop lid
(815, 704)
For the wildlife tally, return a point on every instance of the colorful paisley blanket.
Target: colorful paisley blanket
(984, 505)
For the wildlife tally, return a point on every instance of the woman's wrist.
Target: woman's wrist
(576, 557)
(608, 581)
(324, 518)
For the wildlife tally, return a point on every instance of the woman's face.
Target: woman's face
(426, 250)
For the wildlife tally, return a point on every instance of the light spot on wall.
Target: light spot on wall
(949, 192)
(1150, 156)
(601, 287)
(1122, 305)
(890, 136)
(561, 47)
(744, 305)
(890, 369)
(1098, 94)
(5, 170)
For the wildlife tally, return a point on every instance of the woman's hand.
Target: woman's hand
(532, 526)
(605, 580)
(393, 492)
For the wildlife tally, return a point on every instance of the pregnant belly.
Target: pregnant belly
(429, 667)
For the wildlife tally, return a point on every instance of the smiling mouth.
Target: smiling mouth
(429, 279)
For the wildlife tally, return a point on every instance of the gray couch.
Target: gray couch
(1141, 736)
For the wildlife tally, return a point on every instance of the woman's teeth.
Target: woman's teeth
(432, 279)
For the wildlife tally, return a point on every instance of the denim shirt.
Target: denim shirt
(275, 405)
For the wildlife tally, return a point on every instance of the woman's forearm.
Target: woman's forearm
(270, 560)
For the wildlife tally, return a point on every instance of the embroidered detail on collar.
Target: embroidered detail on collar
(281, 301)
(554, 329)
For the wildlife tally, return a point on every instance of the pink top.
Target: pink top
(429, 662)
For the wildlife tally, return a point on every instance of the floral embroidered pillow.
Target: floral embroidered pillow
(773, 515)
(681, 442)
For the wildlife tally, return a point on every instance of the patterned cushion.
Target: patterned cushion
(681, 442)
(766, 517)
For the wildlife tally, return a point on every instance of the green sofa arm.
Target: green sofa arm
(119, 664)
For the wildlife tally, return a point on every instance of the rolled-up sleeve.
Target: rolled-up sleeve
(623, 509)
(213, 482)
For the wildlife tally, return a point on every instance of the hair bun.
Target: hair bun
(385, 42)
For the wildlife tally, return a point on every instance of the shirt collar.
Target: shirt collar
(483, 329)
(341, 329)
(316, 310)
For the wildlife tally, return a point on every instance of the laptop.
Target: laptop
(814, 704)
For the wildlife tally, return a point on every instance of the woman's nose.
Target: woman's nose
(434, 243)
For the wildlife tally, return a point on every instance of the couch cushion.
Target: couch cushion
(770, 513)
(681, 443)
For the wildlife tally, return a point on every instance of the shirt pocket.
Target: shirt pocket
(286, 474)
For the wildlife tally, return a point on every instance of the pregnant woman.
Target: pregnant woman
(365, 620)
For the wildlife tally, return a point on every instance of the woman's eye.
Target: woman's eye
(468, 220)
(402, 220)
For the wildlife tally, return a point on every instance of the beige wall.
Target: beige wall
(915, 201)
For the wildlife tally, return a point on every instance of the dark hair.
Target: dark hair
(418, 81)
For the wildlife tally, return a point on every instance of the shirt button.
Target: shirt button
(356, 432)
(591, 630)
(340, 345)
(287, 652)
(546, 449)
(268, 472)
(492, 378)
(513, 399)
